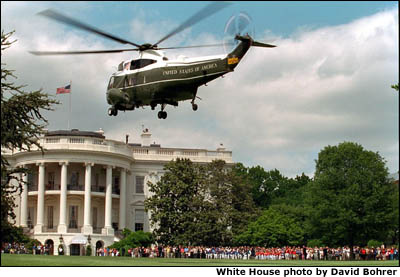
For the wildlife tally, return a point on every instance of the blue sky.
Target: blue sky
(282, 18)
(328, 81)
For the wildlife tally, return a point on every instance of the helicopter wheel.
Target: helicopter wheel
(162, 115)
(195, 107)
(112, 111)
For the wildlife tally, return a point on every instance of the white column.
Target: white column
(40, 202)
(87, 226)
(62, 225)
(122, 200)
(108, 230)
(24, 201)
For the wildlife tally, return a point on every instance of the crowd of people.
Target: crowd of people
(14, 248)
(20, 248)
(242, 253)
(259, 253)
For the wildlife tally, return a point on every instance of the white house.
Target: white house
(85, 188)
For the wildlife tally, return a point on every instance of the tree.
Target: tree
(21, 125)
(273, 228)
(199, 204)
(265, 184)
(395, 87)
(349, 201)
(215, 219)
(176, 202)
(244, 209)
(393, 233)
(229, 200)
(291, 191)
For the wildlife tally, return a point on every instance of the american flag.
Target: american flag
(66, 89)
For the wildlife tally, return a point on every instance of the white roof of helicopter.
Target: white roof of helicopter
(159, 55)
(163, 61)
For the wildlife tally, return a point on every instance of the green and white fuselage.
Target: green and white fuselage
(154, 79)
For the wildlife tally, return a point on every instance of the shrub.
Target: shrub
(134, 239)
(89, 250)
(374, 243)
(29, 245)
(314, 242)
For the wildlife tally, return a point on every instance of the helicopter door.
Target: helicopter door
(126, 81)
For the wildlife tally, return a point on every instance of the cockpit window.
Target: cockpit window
(136, 64)
(111, 83)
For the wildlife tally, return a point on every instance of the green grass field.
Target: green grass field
(33, 260)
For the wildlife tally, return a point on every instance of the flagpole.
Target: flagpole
(69, 117)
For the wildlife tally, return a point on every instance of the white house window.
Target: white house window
(115, 185)
(50, 212)
(30, 217)
(74, 180)
(73, 217)
(50, 181)
(97, 179)
(31, 182)
(139, 220)
(51, 178)
(139, 184)
(94, 217)
(115, 218)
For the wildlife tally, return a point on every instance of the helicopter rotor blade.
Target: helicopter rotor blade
(260, 44)
(200, 15)
(51, 53)
(193, 46)
(73, 22)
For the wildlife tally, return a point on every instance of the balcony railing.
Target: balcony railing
(52, 229)
(53, 187)
(76, 187)
(98, 189)
(74, 230)
(50, 187)
(97, 230)
(32, 187)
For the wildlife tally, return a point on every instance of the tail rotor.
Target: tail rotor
(237, 25)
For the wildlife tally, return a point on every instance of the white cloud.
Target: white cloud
(278, 109)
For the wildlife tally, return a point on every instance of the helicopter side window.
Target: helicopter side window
(146, 62)
(136, 64)
(127, 65)
(121, 66)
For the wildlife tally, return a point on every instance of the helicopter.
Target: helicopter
(154, 79)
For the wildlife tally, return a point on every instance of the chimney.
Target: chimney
(100, 131)
(221, 147)
(146, 137)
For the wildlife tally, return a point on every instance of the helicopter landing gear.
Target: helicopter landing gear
(194, 106)
(112, 111)
(162, 114)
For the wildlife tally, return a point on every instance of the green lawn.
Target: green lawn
(33, 260)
